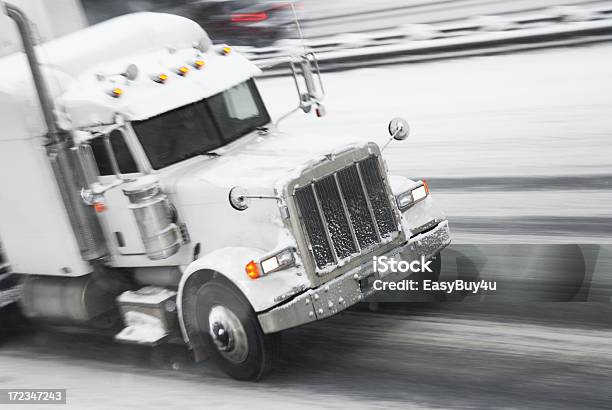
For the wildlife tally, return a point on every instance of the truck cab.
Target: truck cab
(167, 204)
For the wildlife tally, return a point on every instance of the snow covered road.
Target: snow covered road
(424, 358)
(523, 135)
(516, 348)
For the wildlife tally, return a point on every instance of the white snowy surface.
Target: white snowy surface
(352, 361)
(506, 204)
(122, 387)
(535, 114)
(545, 113)
(323, 17)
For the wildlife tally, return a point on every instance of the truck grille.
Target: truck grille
(346, 213)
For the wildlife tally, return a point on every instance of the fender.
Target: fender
(230, 263)
(420, 214)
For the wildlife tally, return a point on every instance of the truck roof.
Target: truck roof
(85, 67)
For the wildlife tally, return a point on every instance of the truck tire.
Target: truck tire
(231, 332)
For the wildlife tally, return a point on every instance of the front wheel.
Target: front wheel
(231, 332)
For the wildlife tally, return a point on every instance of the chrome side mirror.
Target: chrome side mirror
(399, 130)
(308, 83)
(239, 198)
(311, 89)
(94, 195)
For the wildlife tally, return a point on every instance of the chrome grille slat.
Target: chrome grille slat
(315, 230)
(333, 213)
(359, 213)
(325, 222)
(377, 195)
(368, 202)
(345, 212)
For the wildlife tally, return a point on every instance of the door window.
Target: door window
(126, 162)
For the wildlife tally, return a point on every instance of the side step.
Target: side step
(149, 315)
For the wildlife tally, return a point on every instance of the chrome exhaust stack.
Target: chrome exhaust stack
(29, 42)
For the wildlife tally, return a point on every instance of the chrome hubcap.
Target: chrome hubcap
(228, 334)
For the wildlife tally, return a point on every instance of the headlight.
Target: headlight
(279, 261)
(407, 199)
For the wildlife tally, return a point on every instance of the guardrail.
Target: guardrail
(553, 27)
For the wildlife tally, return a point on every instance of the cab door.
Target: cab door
(117, 218)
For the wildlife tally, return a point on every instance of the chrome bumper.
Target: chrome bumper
(346, 290)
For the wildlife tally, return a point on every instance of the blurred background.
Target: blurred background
(510, 104)
(509, 101)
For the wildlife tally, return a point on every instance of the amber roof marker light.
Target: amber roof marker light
(116, 92)
(160, 78)
(182, 71)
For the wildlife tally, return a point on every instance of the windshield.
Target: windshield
(201, 127)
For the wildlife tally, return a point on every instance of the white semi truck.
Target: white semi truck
(143, 188)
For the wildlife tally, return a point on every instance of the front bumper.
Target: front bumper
(344, 291)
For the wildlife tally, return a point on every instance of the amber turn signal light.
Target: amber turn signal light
(252, 270)
(99, 207)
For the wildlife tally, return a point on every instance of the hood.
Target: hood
(259, 163)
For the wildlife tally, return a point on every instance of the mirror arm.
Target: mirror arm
(282, 117)
(111, 155)
(318, 71)
(278, 198)
(96, 191)
(386, 144)
(296, 81)
(311, 96)
(297, 86)
(395, 134)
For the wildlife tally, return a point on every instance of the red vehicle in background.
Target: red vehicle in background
(239, 22)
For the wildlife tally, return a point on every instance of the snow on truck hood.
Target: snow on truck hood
(259, 163)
